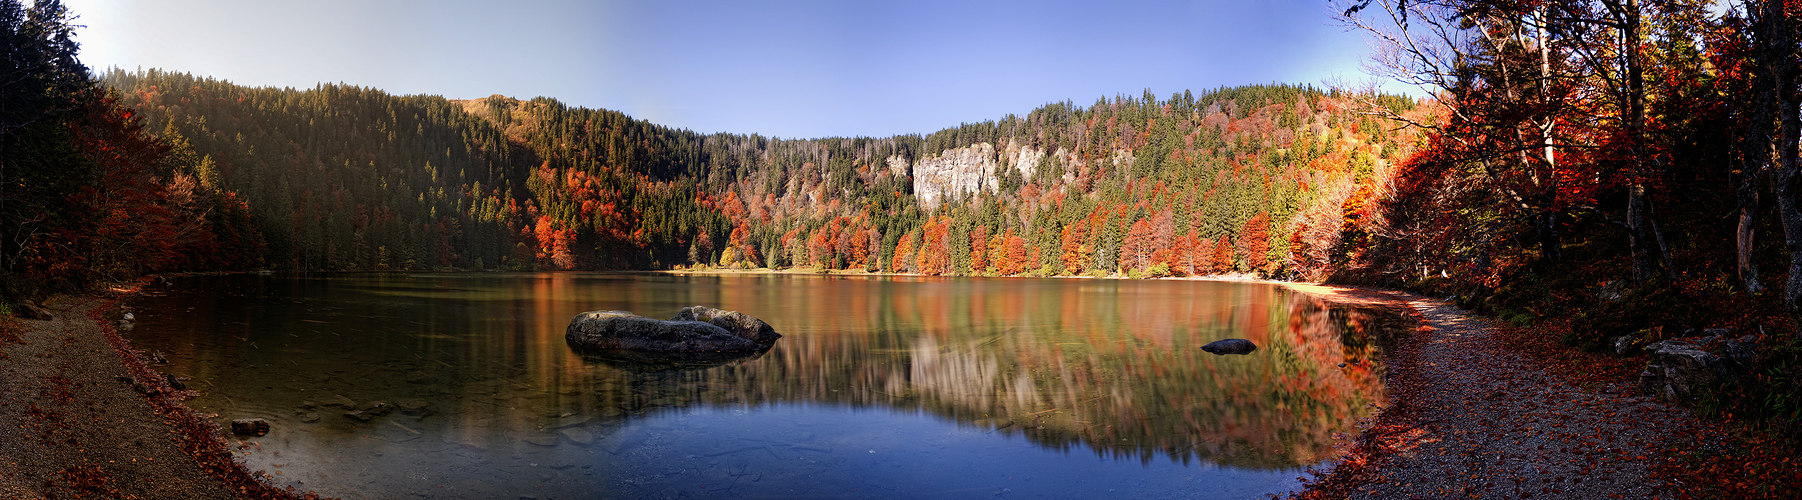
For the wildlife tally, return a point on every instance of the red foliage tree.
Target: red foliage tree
(903, 261)
(1223, 255)
(1254, 242)
(820, 248)
(741, 239)
(1075, 249)
(1012, 259)
(934, 258)
(1135, 251)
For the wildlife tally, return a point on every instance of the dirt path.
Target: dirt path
(1472, 418)
(75, 423)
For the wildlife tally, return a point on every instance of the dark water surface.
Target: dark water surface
(881, 387)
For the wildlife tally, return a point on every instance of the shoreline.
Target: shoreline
(1473, 414)
(1388, 457)
(93, 418)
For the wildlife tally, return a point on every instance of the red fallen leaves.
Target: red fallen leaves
(9, 333)
(1368, 461)
(89, 479)
(1573, 365)
(1741, 461)
(198, 436)
(1750, 462)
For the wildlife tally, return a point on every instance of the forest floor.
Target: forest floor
(1479, 410)
(82, 417)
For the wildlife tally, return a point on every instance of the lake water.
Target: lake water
(881, 386)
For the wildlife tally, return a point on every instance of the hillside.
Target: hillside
(1250, 179)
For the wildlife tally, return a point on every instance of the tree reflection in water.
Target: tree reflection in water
(1121, 379)
(1105, 365)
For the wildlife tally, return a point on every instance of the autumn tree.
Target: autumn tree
(1012, 257)
(979, 249)
(1254, 242)
(1223, 256)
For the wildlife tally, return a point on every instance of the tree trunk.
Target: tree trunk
(1650, 258)
(1775, 89)
(1772, 51)
(1551, 240)
(1789, 126)
(1747, 197)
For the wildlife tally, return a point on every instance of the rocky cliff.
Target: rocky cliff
(968, 170)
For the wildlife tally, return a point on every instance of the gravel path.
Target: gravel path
(1471, 418)
(75, 423)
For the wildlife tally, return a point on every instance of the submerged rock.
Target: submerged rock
(1230, 346)
(603, 330)
(657, 362)
(250, 427)
(414, 407)
(378, 408)
(578, 436)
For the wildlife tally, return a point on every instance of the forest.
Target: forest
(350, 178)
(1597, 168)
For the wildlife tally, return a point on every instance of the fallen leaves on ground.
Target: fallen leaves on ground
(1484, 411)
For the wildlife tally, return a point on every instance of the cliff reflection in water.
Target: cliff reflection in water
(488, 387)
(1118, 370)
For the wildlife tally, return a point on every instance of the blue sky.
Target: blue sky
(785, 69)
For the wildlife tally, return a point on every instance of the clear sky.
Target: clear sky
(790, 69)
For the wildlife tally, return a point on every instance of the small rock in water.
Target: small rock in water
(415, 407)
(568, 420)
(157, 356)
(175, 383)
(359, 415)
(250, 427)
(579, 436)
(378, 408)
(1230, 346)
(542, 439)
(309, 417)
(128, 317)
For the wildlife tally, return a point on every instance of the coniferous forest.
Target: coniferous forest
(1598, 168)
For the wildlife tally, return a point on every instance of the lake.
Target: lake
(462, 386)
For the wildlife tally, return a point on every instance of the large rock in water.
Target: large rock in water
(598, 330)
(1230, 346)
(740, 324)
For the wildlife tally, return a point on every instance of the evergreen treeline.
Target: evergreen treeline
(1248, 179)
(87, 195)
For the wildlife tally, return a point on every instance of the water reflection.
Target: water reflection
(484, 397)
